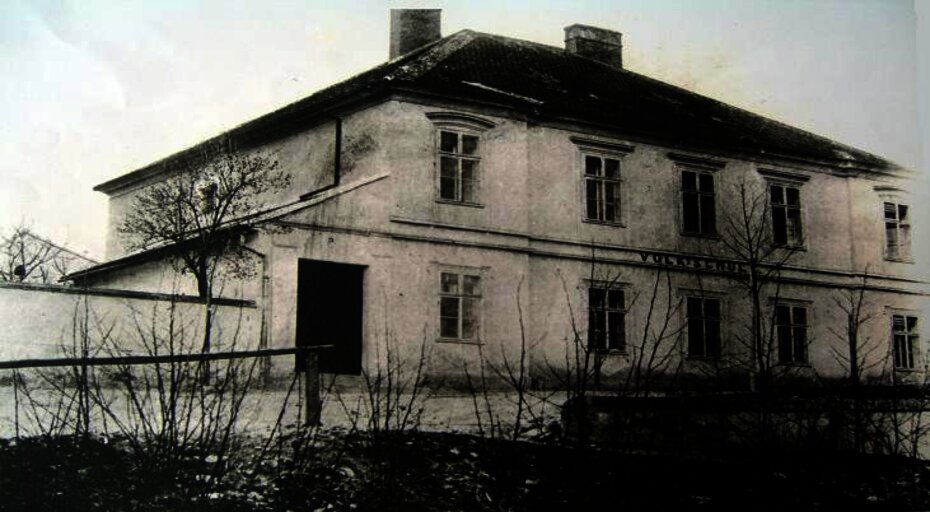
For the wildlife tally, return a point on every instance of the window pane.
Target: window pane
(782, 315)
(891, 212)
(469, 180)
(776, 193)
(897, 323)
(471, 285)
(712, 338)
(591, 195)
(708, 215)
(695, 337)
(610, 201)
(448, 142)
(469, 144)
(899, 351)
(695, 309)
(911, 324)
(615, 334)
(597, 329)
(448, 178)
(615, 299)
(712, 308)
(592, 165)
(611, 168)
(449, 307)
(800, 344)
(449, 317)
(707, 183)
(450, 282)
(469, 192)
(596, 298)
(592, 329)
(792, 197)
(688, 181)
(800, 316)
(904, 240)
(902, 212)
(448, 167)
(470, 319)
(784, 343)
(449, 327)
(447, 188)
(690, 214)
(794, 226)
(779, 225)
(891, 238)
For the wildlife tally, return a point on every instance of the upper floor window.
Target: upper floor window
(606, 318)
(785, 201)
(458, 166)
(904, 340)
(602, 188)
(703, 327)
(698, 208)
(458, 158)
(791, 333)
(897, 232)
(601, 166)
(459, 306)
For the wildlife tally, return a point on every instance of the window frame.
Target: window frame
(459, 156)
(461, 273)
(792, 327)
(902, 253)
(801, 242)
(688, 295)
(601, 181)
(607, 286)
(603, 150)
(911, 338)
(459, 123)
(699, 170)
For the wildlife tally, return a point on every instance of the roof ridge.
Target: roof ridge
(839, 146)
(432, 54)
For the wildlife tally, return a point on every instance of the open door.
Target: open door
(329, 312)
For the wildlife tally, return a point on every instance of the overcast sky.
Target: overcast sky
(91, 89)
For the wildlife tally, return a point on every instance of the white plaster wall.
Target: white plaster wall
(48, 322)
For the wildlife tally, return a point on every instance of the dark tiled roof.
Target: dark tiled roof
(549, 82)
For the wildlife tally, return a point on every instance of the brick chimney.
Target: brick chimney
(595, 43)
(413, 28)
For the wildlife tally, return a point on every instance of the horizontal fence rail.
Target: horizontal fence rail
(155, 359)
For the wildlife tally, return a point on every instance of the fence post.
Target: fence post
(313, 402)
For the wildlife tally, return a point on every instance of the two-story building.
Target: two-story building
(479, 194)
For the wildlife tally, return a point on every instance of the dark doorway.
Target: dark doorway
(329, 312)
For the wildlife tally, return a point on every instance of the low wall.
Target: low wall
(879, 420)
(38, 321)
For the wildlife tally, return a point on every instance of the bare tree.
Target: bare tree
(747, 237)
(199, 213)
(27, 257)
(856, 351)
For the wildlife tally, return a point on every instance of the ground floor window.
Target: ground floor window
(904, 339)
(459, 306)
(606, 319)
(791, 333)
(703, 327)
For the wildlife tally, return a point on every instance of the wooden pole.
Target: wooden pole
(314, 404)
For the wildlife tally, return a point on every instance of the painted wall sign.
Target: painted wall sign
(693, 262)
